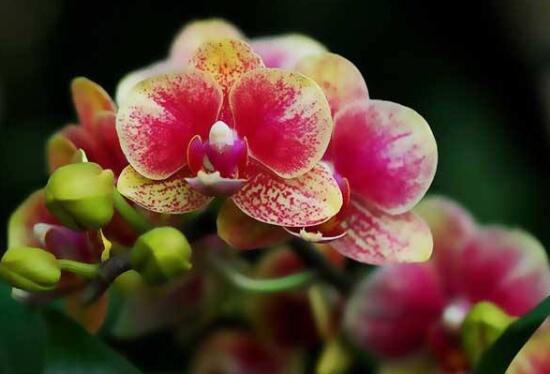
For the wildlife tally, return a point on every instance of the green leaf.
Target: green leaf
(70, 349)
(22, 336)
(499, 356)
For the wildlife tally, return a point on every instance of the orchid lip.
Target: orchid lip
(313, 236)
(213, 184)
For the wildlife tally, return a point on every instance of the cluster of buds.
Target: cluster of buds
(233, 144)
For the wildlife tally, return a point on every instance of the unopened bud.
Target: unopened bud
(482, 326)
(161, 254)
(30, 269)
(81, 195)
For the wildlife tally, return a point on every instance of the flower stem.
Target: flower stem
(130, 214)
(85, 270)
(316, 260)
(106, 274)
(241, 281)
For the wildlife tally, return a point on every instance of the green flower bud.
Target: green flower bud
(161, 254)
(81, 195)
(482, 326)
(30, 269)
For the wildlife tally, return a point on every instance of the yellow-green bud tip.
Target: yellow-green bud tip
(30, 269)
(161, 254)
(81, 195)
(482, 326)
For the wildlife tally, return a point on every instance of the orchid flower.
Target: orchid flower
(404, 310)
(32, 225)
(227, 126)
(276, 51)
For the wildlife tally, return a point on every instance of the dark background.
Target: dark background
(474, 70)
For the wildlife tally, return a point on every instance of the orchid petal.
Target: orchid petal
(85, 139)
(340, 80)
(161, 115)
(194, 34)
(105, 133)
(89, 98)
(304, 201)
(65, 243)
(92, 316)
(226, 60)
(506, 267)
(533, 357)
(452, 227)
(172, 195)
(285, 118)
(391, 311)
(243, 232)
(21, 223)
(387, 152)
(213, 184)
(375, 237)
(285, 51)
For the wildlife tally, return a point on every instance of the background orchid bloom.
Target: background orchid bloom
(407, 309)
(31, 224)
(282, 51)
(227, 126)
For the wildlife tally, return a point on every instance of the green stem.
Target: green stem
(80, 268)
(130, 214)
(241, 281)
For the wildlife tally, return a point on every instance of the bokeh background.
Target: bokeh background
(478, 71)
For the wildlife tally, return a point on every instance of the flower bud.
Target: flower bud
(482, 326)
(30, 269)
(81, 195)
(161, 254)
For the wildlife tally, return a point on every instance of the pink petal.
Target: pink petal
(195, 33)
(341, 81)
(533, 358)
(21, 223)
(172, 195)
(65, 243)
(106, 135)
(285, 118)
(387, 151)
(161, 115)
(226, 60)
(507, 267)
(83, 138)
(390, 312)
(286, 50)
(304, 201)
(89, 98)
(375, 237)
(243, 232)
(452, 227)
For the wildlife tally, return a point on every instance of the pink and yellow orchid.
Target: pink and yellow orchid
(228, 126)
(418, 309)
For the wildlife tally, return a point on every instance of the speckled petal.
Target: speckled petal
(89, 98)
(375, 237)
(161, 115)
(195, 33)
(285, 51)
(387, 152)
(285, 118)
(452, 227)
(172, 195)
(507, 267)
(308, 200)
(226, 60)
(390, 312)
(21, 223)
(243, 232)
(533, 358)
(341, 81)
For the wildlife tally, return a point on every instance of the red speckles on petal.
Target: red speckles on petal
(172, 195)
(387, 152)
(161, 115)
(305, 201)
(375, 237)
(285, 118)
